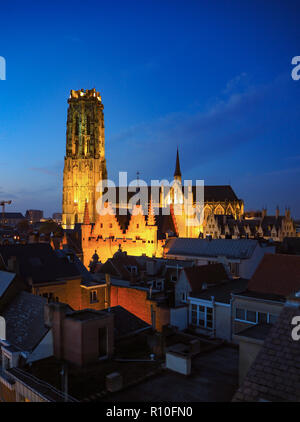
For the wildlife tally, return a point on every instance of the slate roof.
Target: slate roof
(222, 292)
(86, 275)
(24, 318)
(277, 274)
(117, 265)
(125, 322)
(230, 248)
(5, 280)
(275, 373)
(40, 262)
(217, 193)
(210, 274)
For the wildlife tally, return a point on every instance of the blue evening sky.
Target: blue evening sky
(211, 76)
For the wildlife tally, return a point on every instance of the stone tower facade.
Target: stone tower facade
(85, 163)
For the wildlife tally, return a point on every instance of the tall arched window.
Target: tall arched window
(88, 125)
(77, 126)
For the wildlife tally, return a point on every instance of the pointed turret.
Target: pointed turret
(86, 217)
(177, 173)
(151, 216)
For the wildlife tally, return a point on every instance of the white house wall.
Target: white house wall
(182, 286)
(223, 321)
(179, 317)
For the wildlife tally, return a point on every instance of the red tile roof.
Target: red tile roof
(210, 274)
(277, 274)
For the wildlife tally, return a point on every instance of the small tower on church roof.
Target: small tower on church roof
(177, 173)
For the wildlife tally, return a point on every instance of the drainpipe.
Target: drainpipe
(231, 321)
(64, 380)
(214, 314)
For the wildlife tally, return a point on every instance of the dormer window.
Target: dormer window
(132, 269)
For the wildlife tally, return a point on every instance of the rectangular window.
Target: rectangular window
(272, 318)
(202, 316)
(251, 316)
(262, 318)
(93, 296)
(240, 314)
(194, 317)
(254, 317)
(234, 268)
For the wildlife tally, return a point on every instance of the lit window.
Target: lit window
(93, 296)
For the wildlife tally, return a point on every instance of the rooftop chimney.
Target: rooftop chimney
(12, 264)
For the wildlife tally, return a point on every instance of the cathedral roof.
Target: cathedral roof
(218, 193)
(212, 193)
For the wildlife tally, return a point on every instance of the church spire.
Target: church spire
(177, 173)
(86, 217)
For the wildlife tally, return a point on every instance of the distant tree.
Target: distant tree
(49, 227)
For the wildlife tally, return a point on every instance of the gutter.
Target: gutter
(257, 299)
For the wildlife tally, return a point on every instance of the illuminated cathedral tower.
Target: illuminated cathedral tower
(85, 163)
